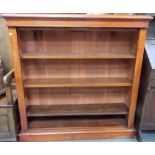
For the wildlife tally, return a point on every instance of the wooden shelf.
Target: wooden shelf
(77, 82)
(71, 122)
(85, 55)
(77, 110)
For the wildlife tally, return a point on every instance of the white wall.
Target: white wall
(77, 6)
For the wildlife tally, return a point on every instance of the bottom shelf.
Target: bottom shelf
(77, 110)
(76, 128)
(76, 122)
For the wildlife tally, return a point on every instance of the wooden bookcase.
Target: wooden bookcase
(77, 75)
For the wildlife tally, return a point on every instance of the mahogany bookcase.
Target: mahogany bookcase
(77, 75)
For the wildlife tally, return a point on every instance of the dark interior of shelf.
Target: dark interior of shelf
(77, 110)
(76, 122)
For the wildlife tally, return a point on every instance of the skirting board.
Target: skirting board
(76, 134)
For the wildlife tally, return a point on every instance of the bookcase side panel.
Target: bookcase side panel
(136, 76)
(18, 77)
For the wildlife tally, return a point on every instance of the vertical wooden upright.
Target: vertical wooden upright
(136, 76)
(18, 77)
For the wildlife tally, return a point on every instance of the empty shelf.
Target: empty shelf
(77, 82)
(77, 110)
(86, 55)
(85, 122)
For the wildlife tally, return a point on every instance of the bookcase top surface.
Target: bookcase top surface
(81, 16)
(76, 20)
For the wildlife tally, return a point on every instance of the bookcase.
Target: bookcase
(77, 75)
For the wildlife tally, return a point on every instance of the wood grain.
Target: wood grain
(77, 110)
(79, 16)
(77, 56)
(78, 68)
(18, 77)
(77, 82)
(61, 61)
(73, 20)
(71, 96)
(77, 122)
(77, 134)
(136, 77)
(67, 42)
(74, 129)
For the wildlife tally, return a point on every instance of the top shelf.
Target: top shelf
(76, 56)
